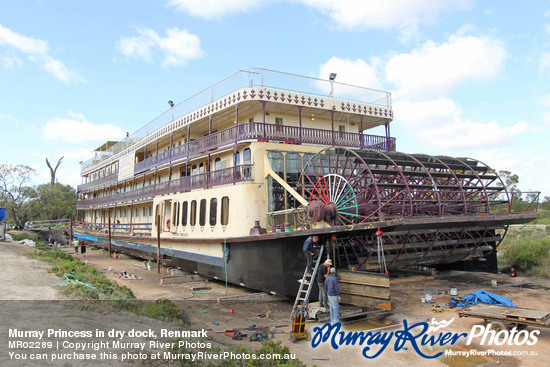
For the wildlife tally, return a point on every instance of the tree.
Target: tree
(56, 201)
(511, 181)
(53, 170)
(17, 196)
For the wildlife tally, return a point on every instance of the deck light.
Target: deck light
(331, 78)
(171, 109)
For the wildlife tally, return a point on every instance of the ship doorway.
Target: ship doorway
(166, 215)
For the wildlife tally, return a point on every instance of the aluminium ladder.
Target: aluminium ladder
(304, 291)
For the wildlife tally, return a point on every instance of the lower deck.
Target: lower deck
(273, 262)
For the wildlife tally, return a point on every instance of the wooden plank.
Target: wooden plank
(365, 289)
(373, 279)
(358, 289)
(511, 314)
(364, 301)
(526, 313)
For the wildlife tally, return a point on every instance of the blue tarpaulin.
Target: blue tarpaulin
(2, 214)
(482, 296)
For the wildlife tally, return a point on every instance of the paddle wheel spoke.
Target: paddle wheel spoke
(347, 187)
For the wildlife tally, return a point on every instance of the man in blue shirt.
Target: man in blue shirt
(333, 293)
(322, 274)
(310, 251)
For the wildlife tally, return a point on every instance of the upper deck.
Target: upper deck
(215, 115)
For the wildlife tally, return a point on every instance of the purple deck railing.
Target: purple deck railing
(215, 178)
(103, 180)
(260, 131)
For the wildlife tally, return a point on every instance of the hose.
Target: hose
(204, 306)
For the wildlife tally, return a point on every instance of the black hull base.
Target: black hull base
(271, 265)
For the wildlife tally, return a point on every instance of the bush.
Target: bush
(526, 253)
(24, 236)
(101, 288)
(163, 309)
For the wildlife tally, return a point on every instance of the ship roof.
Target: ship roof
(103, 147)
(318, 96)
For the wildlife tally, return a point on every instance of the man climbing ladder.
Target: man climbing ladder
(304, 291)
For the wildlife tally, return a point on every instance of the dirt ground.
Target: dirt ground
(218, 309)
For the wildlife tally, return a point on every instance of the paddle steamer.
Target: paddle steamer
(232, 180)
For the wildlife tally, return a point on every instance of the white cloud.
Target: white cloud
(533, 169)
(354, 72)
(37, 51)
(24, 44)
(10, 63)
(77, 130)
(546, 100)
(470, 134)
(403, 15)
(500, 160)
(546, 119)
(178, 46)
(214, 9)
(433, 70)
(139, 47)
(439, 123)
(60, 71)
(416, 115)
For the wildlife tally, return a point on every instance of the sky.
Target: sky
(468, 78)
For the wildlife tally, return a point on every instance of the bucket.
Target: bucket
(423, 300)
(454, 292)
(494, 283)
(428, 298)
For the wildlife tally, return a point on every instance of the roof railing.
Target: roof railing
(249, 78)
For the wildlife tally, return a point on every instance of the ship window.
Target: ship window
(276, 192)
(176, 214)
(184, 213)
(213, 211)
(202, 213)
(225, 210)
(247, 157)
(293, 163)
(193, 214)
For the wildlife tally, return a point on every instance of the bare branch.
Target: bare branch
(53, 170)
